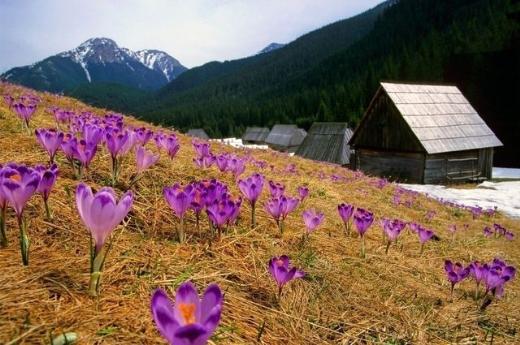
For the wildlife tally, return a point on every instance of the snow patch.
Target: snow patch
(504, 195)
(237, 143)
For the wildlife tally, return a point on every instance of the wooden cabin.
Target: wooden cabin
(198, 133)
(285, 138)
(327, 142)
(423, 134)
(255, 135)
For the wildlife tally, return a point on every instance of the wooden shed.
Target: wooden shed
(327, 142)
(285, 137)
(255, 135)
(198, 133)
(423, 134)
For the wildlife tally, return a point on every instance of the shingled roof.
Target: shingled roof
(285, 136)
(255, 134)
(198, 133)
(440, 117)
(327, 142)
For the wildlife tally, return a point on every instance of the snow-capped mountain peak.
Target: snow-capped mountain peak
(271, 47)
(159, 61)
(101, 50)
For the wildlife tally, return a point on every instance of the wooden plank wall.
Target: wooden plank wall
(400, 166)
(453, 167)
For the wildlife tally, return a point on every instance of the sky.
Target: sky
(192, 31)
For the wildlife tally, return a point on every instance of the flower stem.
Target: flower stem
(94, 283)
(253, 218)
(422, 248)
(280, 226)
(387, 246)
(24, 240)
(3, 237)
(96, 268)
(48, 213)
(180, 232)
(363, 247)
(477, 291)
(280, 293)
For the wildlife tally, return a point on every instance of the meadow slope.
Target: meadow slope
(399, 298)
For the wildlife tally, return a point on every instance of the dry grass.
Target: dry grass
(399, 298)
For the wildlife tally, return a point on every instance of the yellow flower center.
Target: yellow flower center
(16, 177)
(188, 312)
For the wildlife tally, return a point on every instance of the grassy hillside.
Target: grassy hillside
(399, 298)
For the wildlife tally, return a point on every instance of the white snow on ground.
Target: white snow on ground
(504, 195)
(506, 173)
(236, 142)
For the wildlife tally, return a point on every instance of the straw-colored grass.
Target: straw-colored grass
(399, 298)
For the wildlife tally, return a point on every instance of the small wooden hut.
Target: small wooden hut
(198, 133)
(327, 142)
(255, 135)
(285, 138)
(423, 134)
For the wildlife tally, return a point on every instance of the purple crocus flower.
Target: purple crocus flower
(455, 272)
(3, 210)
(279, 209)
(179, 200)
(222, 162)
(9, 100)
(498, 274)
(289, 204)
(167, 142)
(25, 112)
(273, 206)
(499, 229)
(424, 236)
(144, 159)
(222, 212)
(101, 213)
(68, 146)
(283, 272)
(363, 219)
(118, 144)
(190, 320)
(303, 192)
(236, 166)
(18, 185)
(93, 134)
(251, 188)
(84, 153)
(171, 145)
(276, 189)
(204, 162)
(509, 235)
(143, 135)
(345, 212)
(392, 229)
(478, 271)
(197, 204)
(236, 211)
(48, 178)
(213, 191)
(312, 219)
(50, 140)
(201, 149)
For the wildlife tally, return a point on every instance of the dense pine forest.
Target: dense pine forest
(332, 73)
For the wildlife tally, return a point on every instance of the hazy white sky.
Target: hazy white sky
(193, 31)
